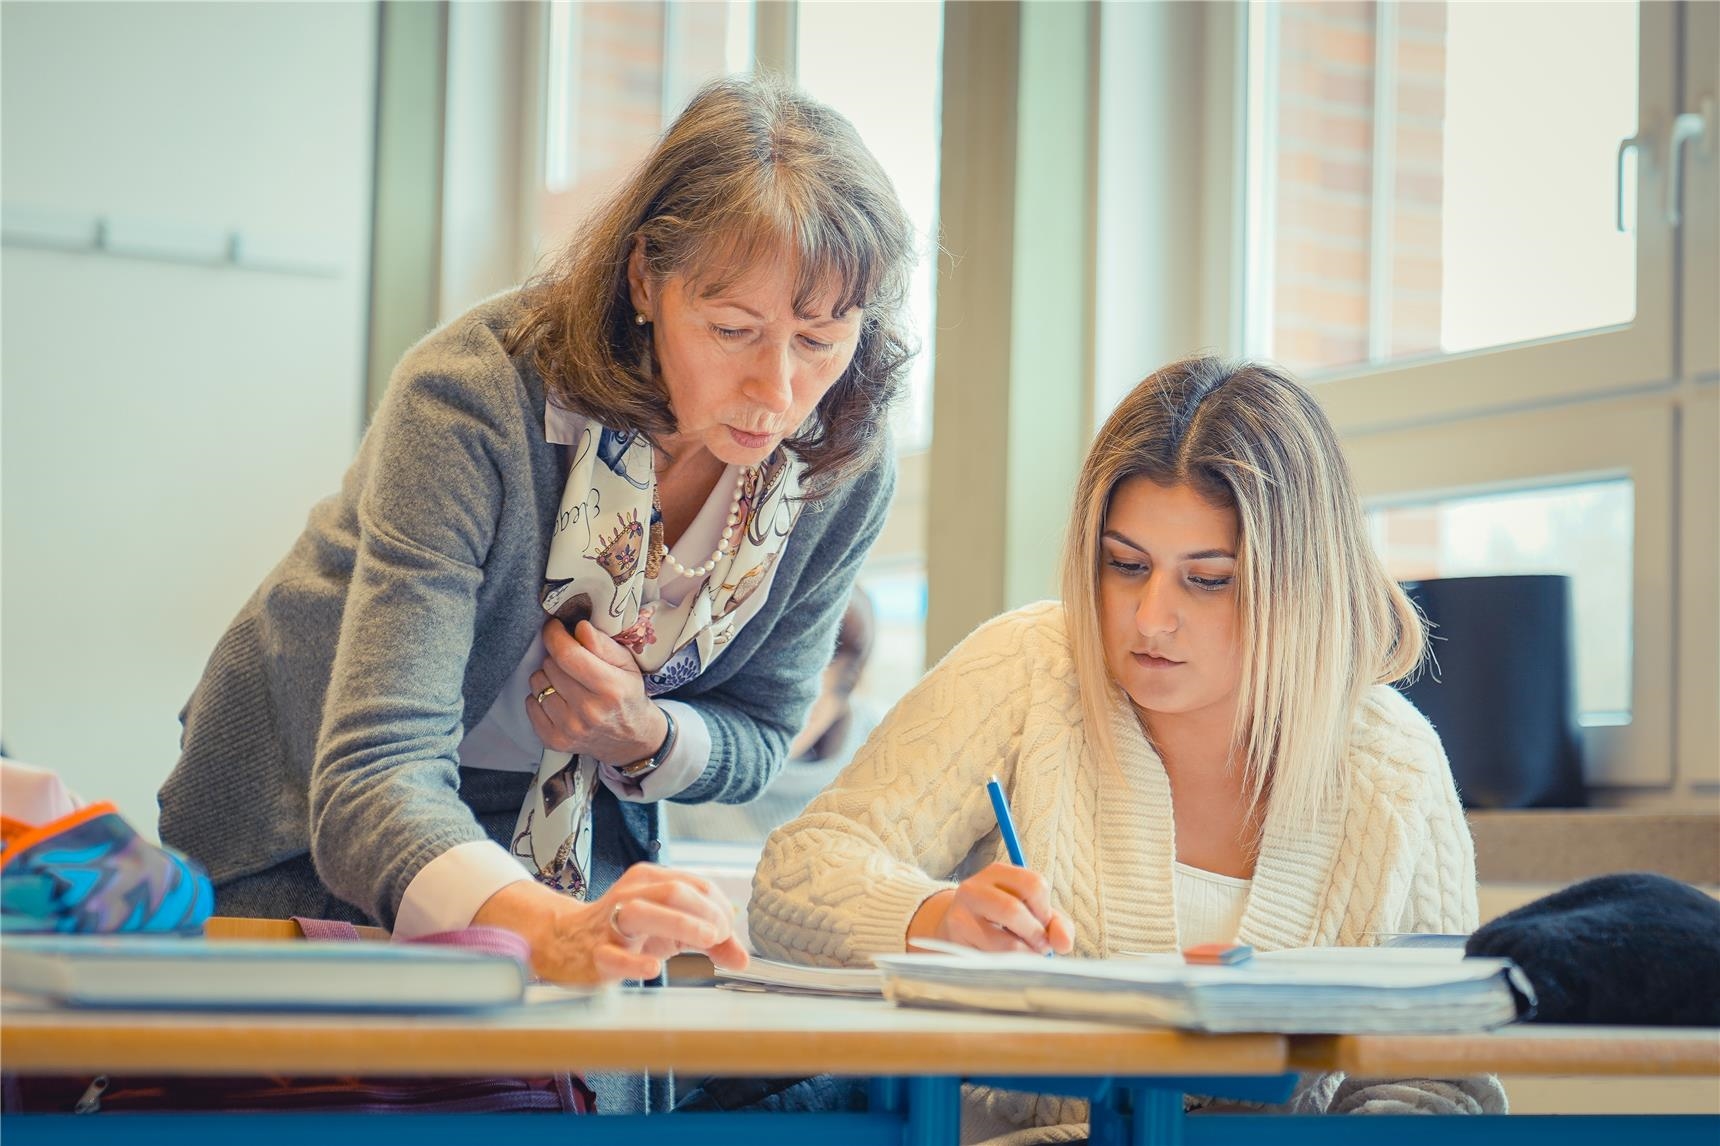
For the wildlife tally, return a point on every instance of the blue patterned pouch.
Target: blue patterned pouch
(90, 872)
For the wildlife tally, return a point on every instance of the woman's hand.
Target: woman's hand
(650, 914)
(1002, 908)
(599, 707)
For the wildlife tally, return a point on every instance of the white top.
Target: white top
(448, 891)
(909, 817)
(1209, 905)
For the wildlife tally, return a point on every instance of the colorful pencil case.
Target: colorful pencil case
(90, 872)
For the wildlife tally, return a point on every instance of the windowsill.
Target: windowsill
(1560, 846)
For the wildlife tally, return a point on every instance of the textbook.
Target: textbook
(297, 975)
(1324, 990)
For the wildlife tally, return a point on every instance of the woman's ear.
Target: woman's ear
(639, 286)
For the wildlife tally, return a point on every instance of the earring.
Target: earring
(638, 319)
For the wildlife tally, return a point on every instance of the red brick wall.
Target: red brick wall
(1326, 104)
(619, 75)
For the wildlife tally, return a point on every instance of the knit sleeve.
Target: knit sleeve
(384, 789)
(841, 883)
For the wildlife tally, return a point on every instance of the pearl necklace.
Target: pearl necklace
(728, 532)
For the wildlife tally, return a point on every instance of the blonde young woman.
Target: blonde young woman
(1199, 742)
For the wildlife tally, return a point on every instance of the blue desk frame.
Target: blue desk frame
(908, 1111)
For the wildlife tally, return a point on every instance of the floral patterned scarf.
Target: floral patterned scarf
(604, 559)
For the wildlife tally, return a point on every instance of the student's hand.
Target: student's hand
(598, 706)
(1002, 908)
(650, 914)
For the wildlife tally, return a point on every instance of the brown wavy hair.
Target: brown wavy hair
(752, 170)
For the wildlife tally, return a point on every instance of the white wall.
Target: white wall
(166, 426)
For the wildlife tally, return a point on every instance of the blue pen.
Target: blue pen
(1006, 827)
(1005, 824)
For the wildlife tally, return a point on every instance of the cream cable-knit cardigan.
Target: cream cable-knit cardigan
(910, 817)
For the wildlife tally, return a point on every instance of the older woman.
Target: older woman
(1198, 741)
(591, 555)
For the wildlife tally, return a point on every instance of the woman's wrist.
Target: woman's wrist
(929, 917)
(651, 737)
(509, 906)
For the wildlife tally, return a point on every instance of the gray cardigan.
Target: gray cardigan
(328, 717)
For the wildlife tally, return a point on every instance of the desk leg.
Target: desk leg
(1129, 1114)
(934, 1112)
(884, 1095)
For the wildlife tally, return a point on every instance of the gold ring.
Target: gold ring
(615, 924)
(546, 690)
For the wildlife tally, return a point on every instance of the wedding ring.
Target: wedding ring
(615, 924)
(546, 691)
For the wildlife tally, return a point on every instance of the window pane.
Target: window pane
(616, 73)
(1584, 531)
(1417, 190)
(838, 46)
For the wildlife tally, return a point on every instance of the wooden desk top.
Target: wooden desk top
(699, 1029)
(1551, 1049)
(683, 1029)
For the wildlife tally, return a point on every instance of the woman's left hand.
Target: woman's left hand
(598, 706)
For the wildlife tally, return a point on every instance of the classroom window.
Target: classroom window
(838, 52)
(838, 47)
(1417, 190)
(1583, 530)
(616, 72)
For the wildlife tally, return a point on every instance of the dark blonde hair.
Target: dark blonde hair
(751, 170)
(1320, 619)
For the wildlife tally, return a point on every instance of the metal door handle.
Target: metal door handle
(1689, 125)
(1634, 143)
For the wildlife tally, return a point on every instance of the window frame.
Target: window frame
(1638, 354)
(1638, 400)
(1632, 437)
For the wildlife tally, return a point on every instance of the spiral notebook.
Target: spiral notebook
(1323, 990)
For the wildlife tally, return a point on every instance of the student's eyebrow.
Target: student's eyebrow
(1199, 555)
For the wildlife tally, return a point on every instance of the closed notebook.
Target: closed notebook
(132, 971)
(1326, 990)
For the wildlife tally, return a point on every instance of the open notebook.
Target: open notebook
(1325, 990)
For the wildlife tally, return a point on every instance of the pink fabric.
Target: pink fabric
(488, 940)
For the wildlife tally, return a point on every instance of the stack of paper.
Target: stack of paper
(1330, 990)
(795, 978)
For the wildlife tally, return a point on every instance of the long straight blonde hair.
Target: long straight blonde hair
(1320, 621)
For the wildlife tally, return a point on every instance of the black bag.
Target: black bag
(1633, 949)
